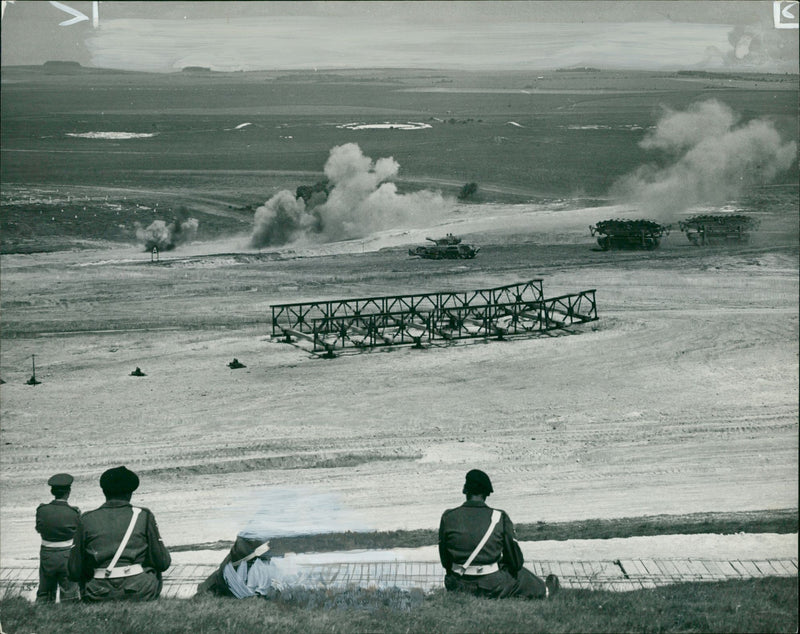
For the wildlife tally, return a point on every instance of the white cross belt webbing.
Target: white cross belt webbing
(65, 544)
(256, 553)
(109, 572)
(475, 571)
(460, 569)
(116, 573)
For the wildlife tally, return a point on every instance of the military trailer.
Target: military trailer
(707, 229)
(628, 234)
(447, 248)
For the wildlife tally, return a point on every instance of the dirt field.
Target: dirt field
(681, 398)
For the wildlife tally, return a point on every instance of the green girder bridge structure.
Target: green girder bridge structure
(425, 318)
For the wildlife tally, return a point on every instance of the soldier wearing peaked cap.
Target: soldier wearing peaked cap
(118, 552)
(56, 522)
(479, 551)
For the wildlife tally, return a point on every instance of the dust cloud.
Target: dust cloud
(754, 46)
(713, 158)
(358, 199)
(166, 236)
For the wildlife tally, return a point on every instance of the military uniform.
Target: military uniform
(56, 522)
(478, 548)
(245, 550)
(497, 569)
(136, 575)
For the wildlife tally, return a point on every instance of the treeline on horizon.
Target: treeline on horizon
(69, 65)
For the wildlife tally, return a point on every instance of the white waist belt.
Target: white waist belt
(65, 544)
(119, 571)
(475, 570)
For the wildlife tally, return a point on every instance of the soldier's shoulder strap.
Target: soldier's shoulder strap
(496, 515)
(502, 513)
(124, 541)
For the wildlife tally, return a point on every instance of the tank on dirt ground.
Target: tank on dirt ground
(447, 248)
(629, 234)
(707, 229)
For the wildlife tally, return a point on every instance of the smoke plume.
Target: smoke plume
(359, 199)
(713, 159)
(167, 236)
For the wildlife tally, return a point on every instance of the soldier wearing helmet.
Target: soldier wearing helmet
(479, 551)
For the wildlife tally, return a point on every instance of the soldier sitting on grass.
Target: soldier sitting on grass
(118, 552)
(478, 548)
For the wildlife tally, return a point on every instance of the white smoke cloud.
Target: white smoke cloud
(282, 219)
(677, 131)
(360, 201)
(714, 160)
(166, 236)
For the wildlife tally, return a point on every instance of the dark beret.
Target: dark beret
(60, 480)
(478, 482)
(119, 480)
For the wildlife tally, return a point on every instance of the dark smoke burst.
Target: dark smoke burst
(166, 236)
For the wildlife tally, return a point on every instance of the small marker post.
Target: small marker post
(32, 380)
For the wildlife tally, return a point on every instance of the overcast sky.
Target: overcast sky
(166, 36)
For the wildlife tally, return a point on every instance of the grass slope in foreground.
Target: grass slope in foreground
(756, 605)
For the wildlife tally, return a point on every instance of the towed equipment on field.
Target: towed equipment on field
(512, 310)
(629, 234)
(708, 229)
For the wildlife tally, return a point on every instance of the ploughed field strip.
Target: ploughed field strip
(181, 581)
(513, 310)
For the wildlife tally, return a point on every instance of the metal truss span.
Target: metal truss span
(512, 310)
